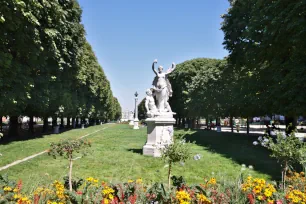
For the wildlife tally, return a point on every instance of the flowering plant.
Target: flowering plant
(252, 191)
(67, 149)
(286, 149)
(178, 151)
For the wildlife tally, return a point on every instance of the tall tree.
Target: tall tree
(265, 40)
(197, 87)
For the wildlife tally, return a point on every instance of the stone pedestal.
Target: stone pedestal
(136, 124)
(160, 132)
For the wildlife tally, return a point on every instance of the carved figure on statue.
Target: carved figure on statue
(162, 87)
(150, 104)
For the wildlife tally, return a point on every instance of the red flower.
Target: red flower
(251, 198)
(36, 199)
(79, 192)
(133, 199)
(19, 185)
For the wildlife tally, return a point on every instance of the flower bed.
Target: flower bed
(92, 190)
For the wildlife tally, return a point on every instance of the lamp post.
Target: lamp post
(136, 113)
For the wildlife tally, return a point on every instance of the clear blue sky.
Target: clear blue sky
(127, 35)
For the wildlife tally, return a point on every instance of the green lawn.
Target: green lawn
(116, 156)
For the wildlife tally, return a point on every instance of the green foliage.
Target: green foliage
(197, 87)
(287, 150)
(178, 182)
(67, 148)
(49, 64)
(76, 183)
(159, 193)
(264, 39)
(142, 112)
(178, 151)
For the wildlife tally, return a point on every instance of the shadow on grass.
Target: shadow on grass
(137, 151)
(24, 134)
(239, 148)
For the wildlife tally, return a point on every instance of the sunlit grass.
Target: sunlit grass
(116, 156)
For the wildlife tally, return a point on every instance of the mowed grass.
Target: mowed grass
(20, 149)
(116, 156)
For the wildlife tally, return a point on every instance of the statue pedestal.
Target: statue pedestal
(131, 122)
(136, 124)
(160, 132)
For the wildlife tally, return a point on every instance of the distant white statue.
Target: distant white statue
(150, 104)
(162, 87)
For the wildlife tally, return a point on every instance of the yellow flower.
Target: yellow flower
(257, 189)
(268, 193)
(17, 196)
(260, 197)
(183, 197)
(139, 181)
(270, 201)
(108, 193)
(244, 189)
(212, 181)
(7, 189)
(24, 200)
(90, 179)
(59, 190)
(130, 181)
(51, 202)
(202, 198)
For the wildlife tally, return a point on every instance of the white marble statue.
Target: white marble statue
(150, 104)
(162, 88)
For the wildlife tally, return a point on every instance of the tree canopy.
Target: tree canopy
(46, 65)
(266, 43)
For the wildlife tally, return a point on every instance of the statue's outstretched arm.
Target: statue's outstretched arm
(171, 69)
(155, 61)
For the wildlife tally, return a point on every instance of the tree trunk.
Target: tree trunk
(77, 122)
(62, 122)
(290, 122)
(54, 121)
(83, 120)
(73, 122)
(197, 124)
(31, 125)
(193, 123)
(169, 175)
(248, 125)
(1, 126)
(46, 124)
(13, 128)
(68, 122)
(231, 123)
(70, 173)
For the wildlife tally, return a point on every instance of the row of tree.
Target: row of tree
(264, 72)
(47, 68)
